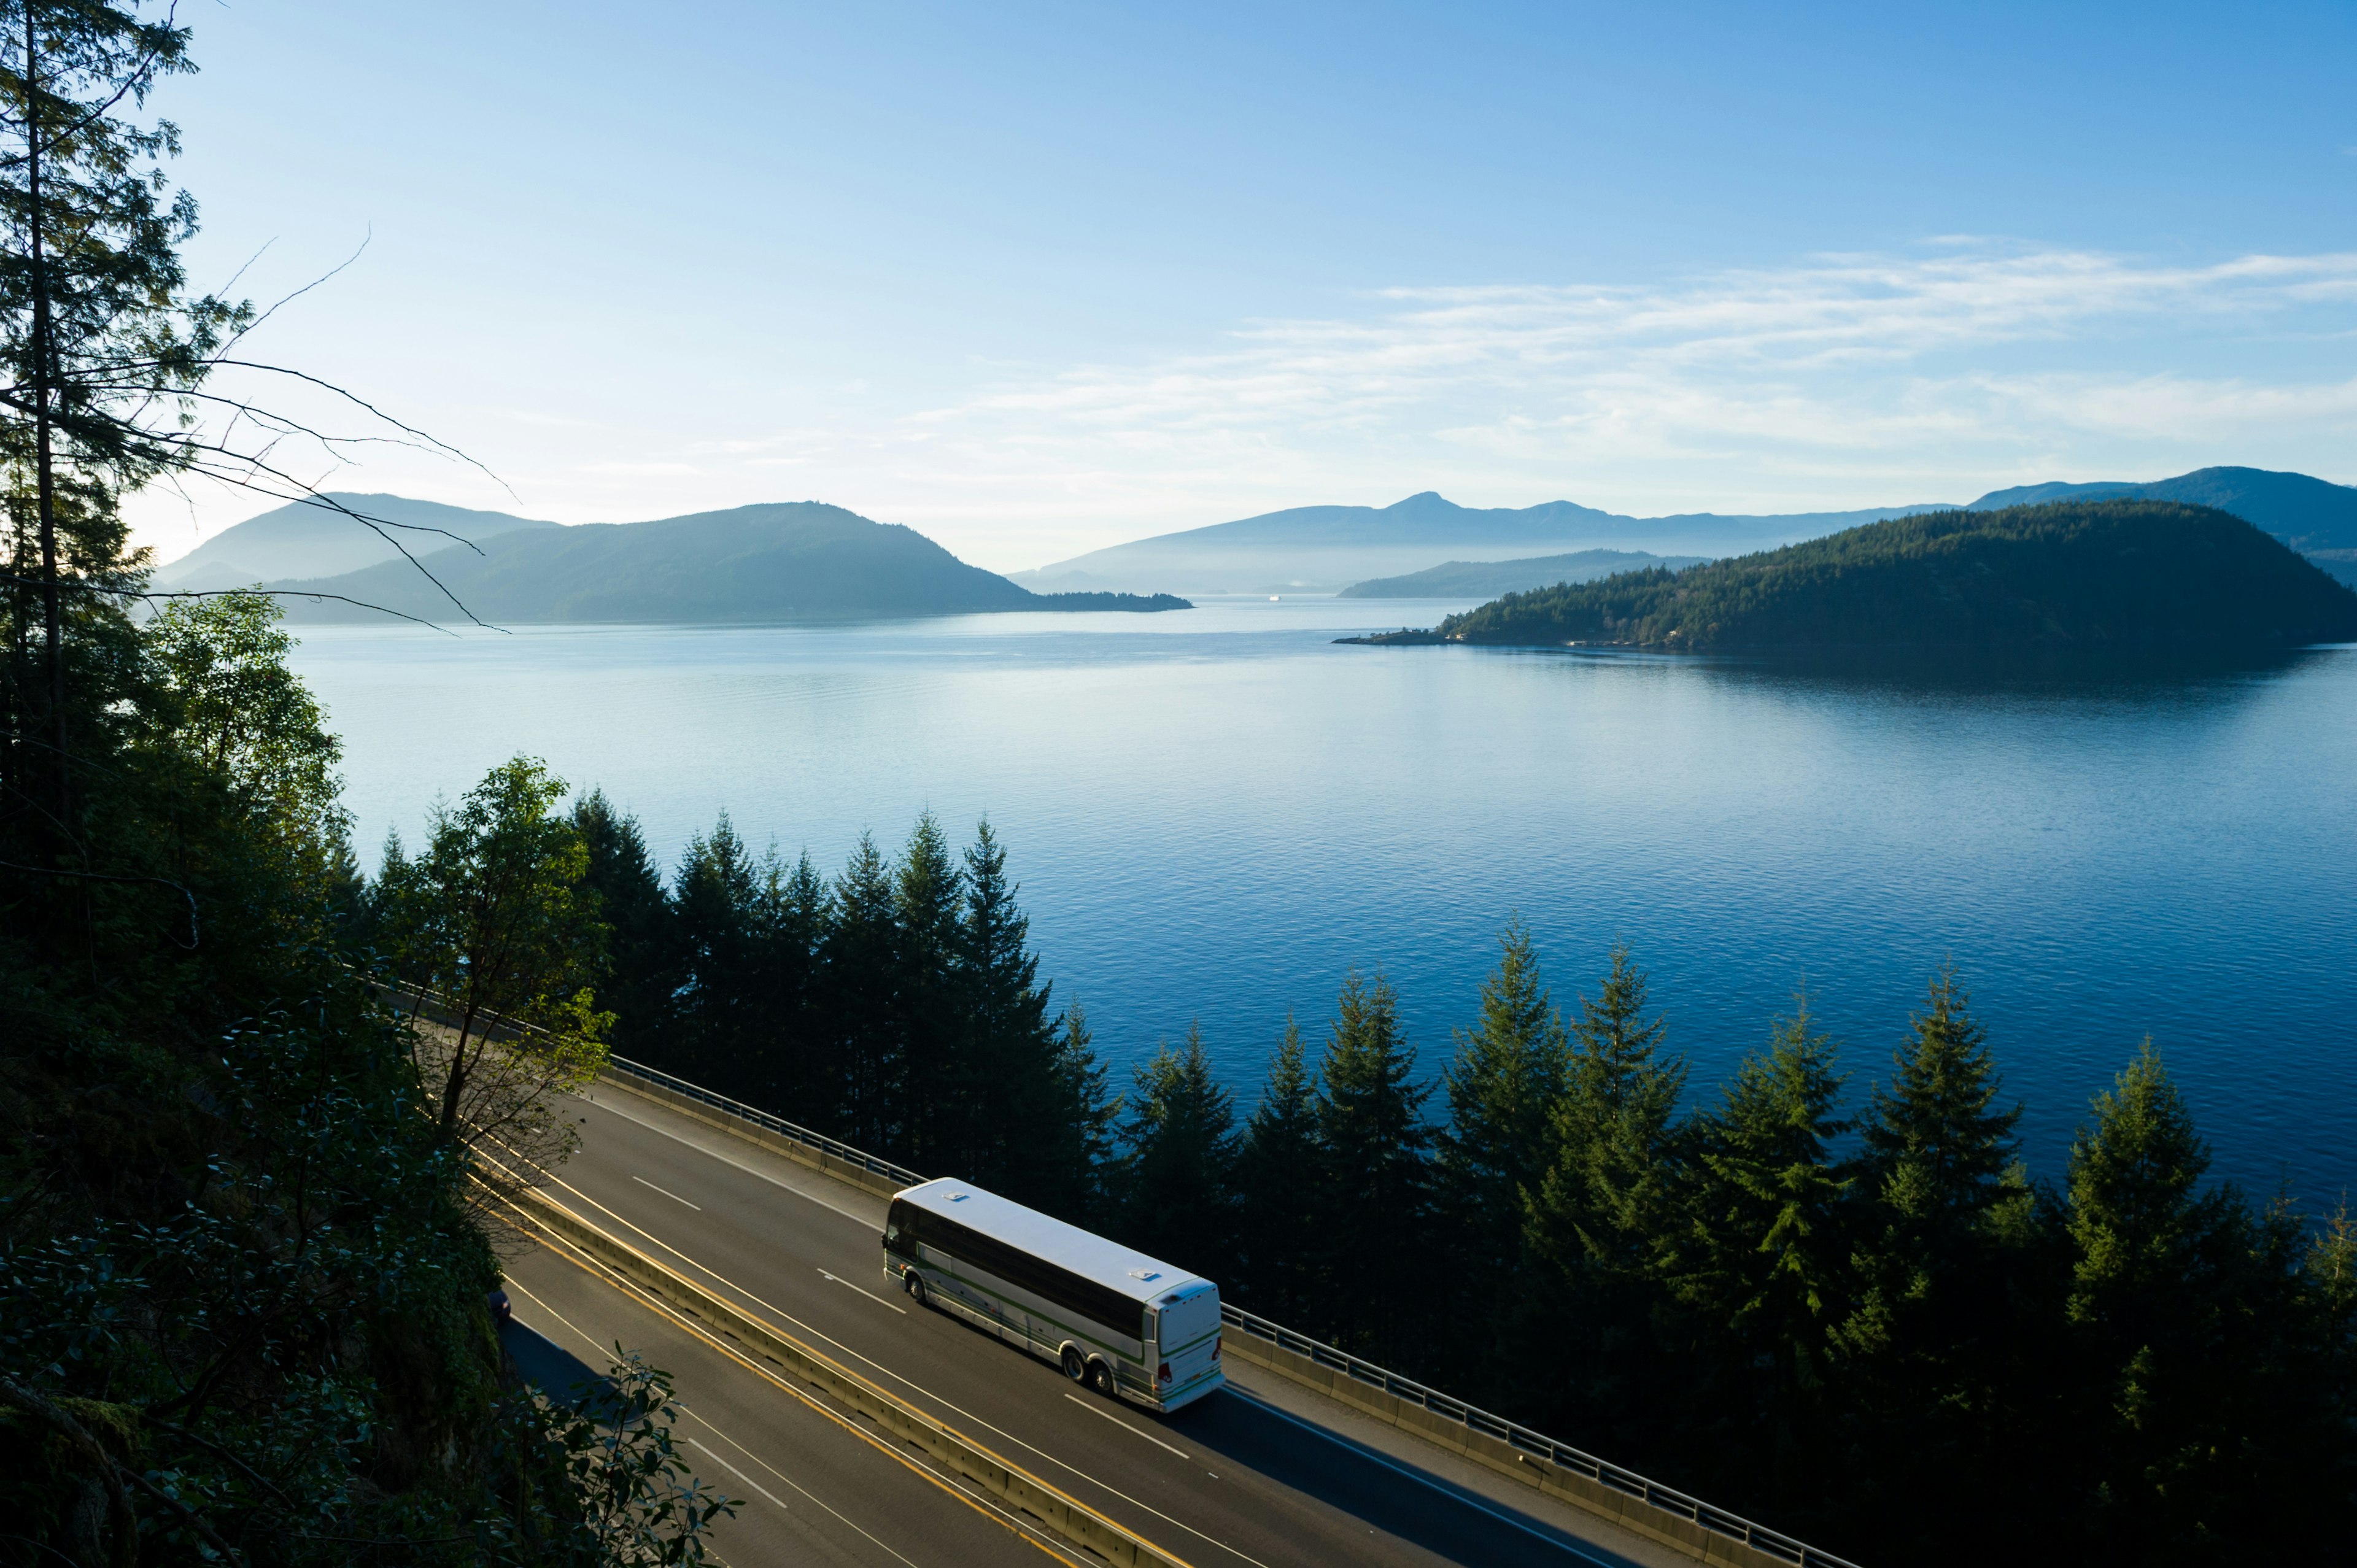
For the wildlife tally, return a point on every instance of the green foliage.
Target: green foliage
(2124, 572)
(1375, 1195)
(1178, 1161)
(1279, 1170)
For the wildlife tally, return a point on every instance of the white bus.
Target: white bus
(1126, 1326)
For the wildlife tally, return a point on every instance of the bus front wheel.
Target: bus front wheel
(917, 1288)
(1074, 1368)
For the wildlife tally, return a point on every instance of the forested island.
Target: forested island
(2114, 573)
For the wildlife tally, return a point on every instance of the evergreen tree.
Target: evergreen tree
(2209, 1391)
(645, 968)
(1503, 1090)
(1607, 1202)
(1374, 1191)
(1020, 1138)
(1764, 1267)
(714, 905)
(1077, 1172)
(1278, 1182)
(1950, 1261)
(799, 1055)
(945, 1113)
(1179, 1162)
(860, 963)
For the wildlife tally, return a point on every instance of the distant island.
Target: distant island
(801, 561)
(1457, 579)
(2109, 573)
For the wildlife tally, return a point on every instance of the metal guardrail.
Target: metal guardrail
(760, 1118)
(1523, 1439)
(1538, 1444)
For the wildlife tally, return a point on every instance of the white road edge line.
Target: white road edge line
(667, 1193)
(1096, 1410)
(869, 1293)
(1364, 1451)
(773, 1497)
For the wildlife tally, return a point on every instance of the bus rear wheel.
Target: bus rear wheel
(1100, 1379)
(1074, 1368)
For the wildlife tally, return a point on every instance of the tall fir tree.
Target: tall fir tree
(2209, 1360)
(1763, 1266)
(944, 1112)
(716, 1006)
(861, 966)
(1374, 1208)
(1017, 1132)
(645, 956)
(1607, 1202)
(1178, 1161)
(1279, 1185)
(1503, 1090)
(1078, 1178)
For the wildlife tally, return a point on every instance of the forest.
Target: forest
(1827, 1292)
(2115, 573)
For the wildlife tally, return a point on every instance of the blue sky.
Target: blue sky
(1036, 278)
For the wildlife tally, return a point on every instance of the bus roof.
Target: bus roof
(1091, 1256)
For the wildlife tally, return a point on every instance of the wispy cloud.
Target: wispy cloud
(1830, 380)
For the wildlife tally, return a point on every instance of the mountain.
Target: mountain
(2129, 571)
(1464, 579)
(789, 560)
(2315, 517)
(310, 540)
(1320, 548)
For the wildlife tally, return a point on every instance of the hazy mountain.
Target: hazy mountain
(305, 540)
(798, 560)
(1320, 548)
(1323, 547)
(2315, 517)
(2127, 571)
(1487, 579)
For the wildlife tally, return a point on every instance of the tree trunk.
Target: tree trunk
(53, 630)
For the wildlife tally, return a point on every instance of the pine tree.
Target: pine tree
(1503, 1090)
(1948, 1260)
(1178, 1161)
(861, 971)
(945, 1113)
(2210, 1358)
(1278, 1177)
(1607, 1199)
(1374, 1190)
(715, 899)
(644, 956)
(1077, 1170)
(1019, 1135)
(1764, 1265)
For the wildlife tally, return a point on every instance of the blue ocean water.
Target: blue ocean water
(1215, 814)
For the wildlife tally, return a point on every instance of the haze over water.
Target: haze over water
(1214, 814)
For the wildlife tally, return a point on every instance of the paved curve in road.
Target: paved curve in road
(1265, 1474)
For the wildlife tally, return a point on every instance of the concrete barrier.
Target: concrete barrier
(1017, 1487)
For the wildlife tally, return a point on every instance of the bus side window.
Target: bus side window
(1153, 1327)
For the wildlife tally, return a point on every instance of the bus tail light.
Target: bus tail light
(1162, 1373)
(1215, 1346)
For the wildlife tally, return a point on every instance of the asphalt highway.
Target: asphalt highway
(1264, 1475)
